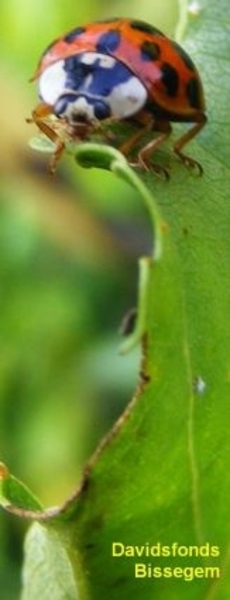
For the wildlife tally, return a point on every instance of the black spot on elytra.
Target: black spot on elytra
(170, 79)
(150, 51)
(193, 93)
(72, 35)
(145, 28)
(185, 57)
(108, 41)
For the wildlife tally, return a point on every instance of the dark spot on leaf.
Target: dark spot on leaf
(129, 322)
(185, 231)
(96, 523)
(119, 582)
(90, 546)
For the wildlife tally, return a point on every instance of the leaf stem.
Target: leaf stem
(105, 157)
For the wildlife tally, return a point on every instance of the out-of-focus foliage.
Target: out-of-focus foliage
(68, 250)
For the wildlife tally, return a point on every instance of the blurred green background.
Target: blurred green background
(68, 272)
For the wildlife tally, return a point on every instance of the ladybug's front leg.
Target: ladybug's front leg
(39, 115)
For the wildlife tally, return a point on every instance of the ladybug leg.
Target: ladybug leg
(146, 125)
(39, 114)
(146, 152)
(131, 142)
(144, 155)
(56, 156)
(183, 140)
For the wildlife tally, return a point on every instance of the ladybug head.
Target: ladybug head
(81, 108)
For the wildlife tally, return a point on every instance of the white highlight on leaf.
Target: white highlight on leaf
(199, 385)
(194, 8)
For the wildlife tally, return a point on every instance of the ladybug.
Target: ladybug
(119, 70)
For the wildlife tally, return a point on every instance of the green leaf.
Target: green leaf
(159, 483)
(48, 572)
(14, 495)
